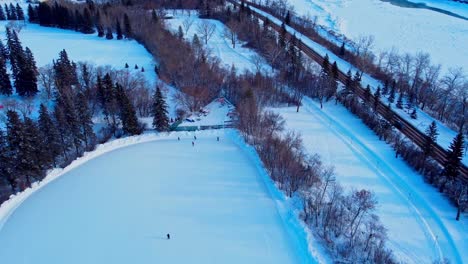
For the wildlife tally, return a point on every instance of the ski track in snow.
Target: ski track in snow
(399, 186)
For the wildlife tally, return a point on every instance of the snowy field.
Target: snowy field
(446, 134)
(407, 29)
(219, 207)
(242, 58)
(46, 43)
(420, 221)
(215, 113)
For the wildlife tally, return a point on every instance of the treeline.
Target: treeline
(11, 12)
(23, 67)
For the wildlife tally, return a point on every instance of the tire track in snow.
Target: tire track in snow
(395, 182)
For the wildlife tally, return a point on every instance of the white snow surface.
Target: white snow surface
(116, 204)
(446, 134)
(407, 29)
(215, 113)
(46, 43)
(420, 221)
(219, 45)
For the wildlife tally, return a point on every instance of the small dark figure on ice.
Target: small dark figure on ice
(168, 236)
(178, 138)
(217, 138)
(195, 137)
(193, 144)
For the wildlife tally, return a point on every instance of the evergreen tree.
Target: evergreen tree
(33, 162)
(180, 33)
(85, 121)
(5, 160)
(15, 50)
(7, 12)
(142, 69)
(282, 36)
(109, 33)
(159, 112)
(154, 16)
(88, 25)
(119, 30)
(44, 14)
(19, 12)
(98, 24)
(12, 12)
(334, 71)
(377, 96)
(76, 22)
(452, 164)
(414, 113)
(342, 50)
(326, 64)
(3, 51)
(399, 103)
(391, 97)
(385, 88)
(32, 14)
(287, 19)
(430, 140)
(5, 83)
(126, 66)
(128, 116)
(26, 76)
(72, 123)
(15, 135)
(136, 67)
(63, 130)
(2, 14)
(349, 81)
(357, 79)
(50, 135)
(127, 27)
(367, 93)
(65, 72)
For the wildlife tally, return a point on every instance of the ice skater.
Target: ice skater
(193, 144)
(178, 138)
(194, 137)
(168, 236)
(217, 138)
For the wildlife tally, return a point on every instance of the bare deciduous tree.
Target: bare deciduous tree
(187, 23)
(206, 30)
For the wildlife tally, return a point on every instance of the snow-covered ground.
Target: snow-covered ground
(446, 134)
(420, 221)
(116, 205)
(407, 29)
(219, 45)
(46, 43)
(215, 113)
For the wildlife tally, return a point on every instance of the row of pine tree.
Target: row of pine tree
(23, 67)
(11, 12)
(87, 21)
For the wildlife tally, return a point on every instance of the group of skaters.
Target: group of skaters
(195, 138)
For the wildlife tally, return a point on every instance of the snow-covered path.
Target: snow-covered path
(118, 207)
(420, 222)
